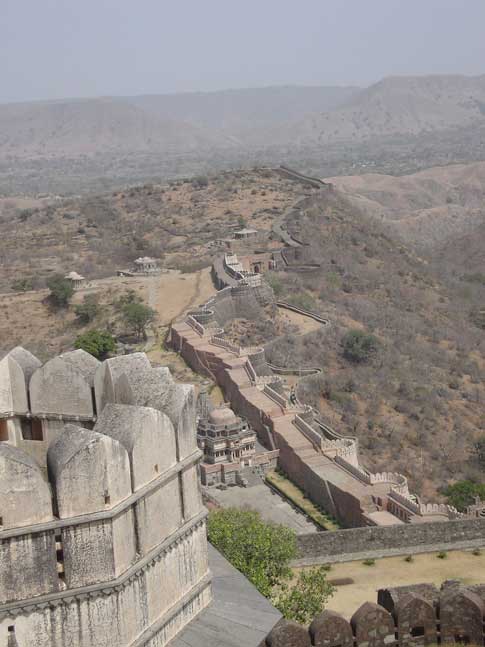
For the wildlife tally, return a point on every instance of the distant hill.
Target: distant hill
(396, 126)
(81, 127)
(171, 123)
(428, 208)
(399, 106)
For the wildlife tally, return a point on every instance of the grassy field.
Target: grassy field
(364, 581)
(298, 498)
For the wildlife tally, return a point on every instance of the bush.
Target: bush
(305, 599)
(261, 551)
(409, 558)
(22, 285)
(359, 346)
(369, 562)
(442, 555)
(96, 342)
(463, 493)
(88, 309)
(61, 291)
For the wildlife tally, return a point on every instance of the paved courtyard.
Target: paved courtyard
(269, 504)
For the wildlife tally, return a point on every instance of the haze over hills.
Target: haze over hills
(401, 106)
(396, 126)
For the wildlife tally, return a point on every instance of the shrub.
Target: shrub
(305, 599)
(261, 551)
(96, 342)
(61, 291)
(369, 562)
(409, 558)
(442, 555)
(463, 494)
(359, 346)
(22, 285)
(88, 309)
(477, 552)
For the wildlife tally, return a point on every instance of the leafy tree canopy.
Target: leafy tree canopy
(61, 291)
(261, 551)
(96, 342)
(359, 346)
(307, 597)
(137, 316)
(463, 493)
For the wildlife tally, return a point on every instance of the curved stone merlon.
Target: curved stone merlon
(60, 388)
(25, 496)
(121, 518)
(13, 391)
(89, 471)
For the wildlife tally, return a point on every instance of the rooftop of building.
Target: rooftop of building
(74, 276)
(145, 259)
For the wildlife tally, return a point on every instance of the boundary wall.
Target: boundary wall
(323, 463)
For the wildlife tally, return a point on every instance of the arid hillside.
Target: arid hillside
(175, 222)
(400, 106)
(416, 400)
(428, 208)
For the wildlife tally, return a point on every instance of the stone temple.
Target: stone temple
(102, 528)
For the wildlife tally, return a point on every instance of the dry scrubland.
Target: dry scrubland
(417, 406)
(27, 319)
(99, 234)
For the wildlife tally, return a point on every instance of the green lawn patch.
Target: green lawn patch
(293, 493)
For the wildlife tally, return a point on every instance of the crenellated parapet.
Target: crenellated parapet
(404, 616)
(102, 533)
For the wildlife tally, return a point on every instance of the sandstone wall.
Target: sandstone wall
(376, 541)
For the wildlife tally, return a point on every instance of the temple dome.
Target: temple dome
(224, 416)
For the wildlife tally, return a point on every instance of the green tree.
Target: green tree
(88, 309)
(96, 342)
(359, 346)
(261, 551)
(137, 316)
(306, 598)
(61, 291)
(463, 493)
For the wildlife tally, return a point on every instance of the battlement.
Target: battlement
(404, 616)
(100, 507)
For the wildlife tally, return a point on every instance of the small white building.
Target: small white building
(146, 265)
(77, 280)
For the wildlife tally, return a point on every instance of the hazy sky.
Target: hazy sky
(73, 48)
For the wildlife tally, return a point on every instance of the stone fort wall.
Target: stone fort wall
(404, 616)
(102, 528)
(384, 541)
